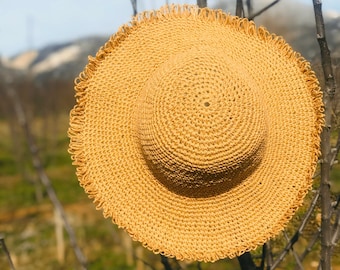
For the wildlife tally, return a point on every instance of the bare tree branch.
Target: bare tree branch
(326, 59)
(239, 8)
(310, 245)
(328, 94)
(202, 3)
(296, 256)
(336, 227)
(165, 263)
(335, 151)
(249, 5)
(269, 255)
(246, 262)
(297, 234)
(262, 10)
(8, 255)
(264, 256)
(134, 7)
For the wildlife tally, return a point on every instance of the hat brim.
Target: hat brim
(112, 170)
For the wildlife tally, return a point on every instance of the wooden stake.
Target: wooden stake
(59, 229)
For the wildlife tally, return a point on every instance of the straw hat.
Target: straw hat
(196, 132)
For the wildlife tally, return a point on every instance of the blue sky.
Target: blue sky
(36, 23)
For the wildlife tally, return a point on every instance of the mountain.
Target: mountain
(295, 22)
(66, 60)
(57, 61)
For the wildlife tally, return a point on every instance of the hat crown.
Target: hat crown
(201, 136)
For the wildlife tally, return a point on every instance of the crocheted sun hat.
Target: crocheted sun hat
(196, 132)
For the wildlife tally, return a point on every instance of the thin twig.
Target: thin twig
(134, 7)
(336, 203)
(246, 262)
(165, 263)
(249, 5)
(296, 256)
(202, 3)
(335, 150)
(315, 238)
(8, 255)
(269, 255)
(263, 10)
(239, 8)
(297, 234)
(336, 229)
(263, 257)
(178, 266)
(310, 245)
(328, 94)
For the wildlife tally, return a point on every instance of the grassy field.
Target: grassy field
(28, 221)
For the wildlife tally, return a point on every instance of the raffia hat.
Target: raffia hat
(196, 132)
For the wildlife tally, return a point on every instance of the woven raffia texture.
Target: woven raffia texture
(196, 132)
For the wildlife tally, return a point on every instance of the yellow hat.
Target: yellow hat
(196, 132)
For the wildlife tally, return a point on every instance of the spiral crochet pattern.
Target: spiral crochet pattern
(196, 132)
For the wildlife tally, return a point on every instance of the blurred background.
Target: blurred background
(44, 45)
